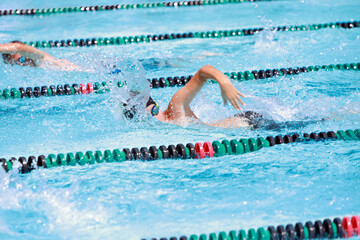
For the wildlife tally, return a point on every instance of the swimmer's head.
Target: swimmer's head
(131, 110)
(17, 58)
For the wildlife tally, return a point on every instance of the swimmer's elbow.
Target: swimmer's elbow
(205, 72)
(205, 69)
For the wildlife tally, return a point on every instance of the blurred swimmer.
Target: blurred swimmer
(21, 54)
(179, 111)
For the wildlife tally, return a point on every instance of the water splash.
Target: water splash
(54, 211)
(135, 91)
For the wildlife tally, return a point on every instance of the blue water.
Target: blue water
(130, 200)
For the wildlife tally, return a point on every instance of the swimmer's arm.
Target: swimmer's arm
(182, 98)
(27, 51)
(36, 55)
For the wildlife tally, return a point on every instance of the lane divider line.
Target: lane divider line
(180, 151)
(326, 229)
(111, 41)
(48, 11)
(161, 82)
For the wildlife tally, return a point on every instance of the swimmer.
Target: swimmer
(21, 54)
(179, 111)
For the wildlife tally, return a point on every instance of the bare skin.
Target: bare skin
(34, 57)
(179, 111)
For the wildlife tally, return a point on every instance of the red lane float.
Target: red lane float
(90, 88)
(199, 151)
(209, 151)
(83, 90)
(355, 222)
(348, 230)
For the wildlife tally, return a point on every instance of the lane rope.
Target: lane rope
(48, 11)
(161, 82)
(338, 228)
(179, 151)
(111, 41)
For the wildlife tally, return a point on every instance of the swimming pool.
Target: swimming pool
(137, 199)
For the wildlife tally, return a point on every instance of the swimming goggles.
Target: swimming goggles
(21, 59)
(155, 109)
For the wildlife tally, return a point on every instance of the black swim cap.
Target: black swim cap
(150, 101)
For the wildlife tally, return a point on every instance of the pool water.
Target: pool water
(133, 200)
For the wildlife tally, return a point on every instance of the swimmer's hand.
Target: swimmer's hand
(231, 94)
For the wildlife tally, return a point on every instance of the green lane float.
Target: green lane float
(337, 228)
(189, 151)
(48, 11)
(162, 82)
(118, 40)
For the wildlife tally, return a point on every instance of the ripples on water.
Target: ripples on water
(130, 200)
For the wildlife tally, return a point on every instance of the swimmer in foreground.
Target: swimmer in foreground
(21, 54)
(179, 111)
